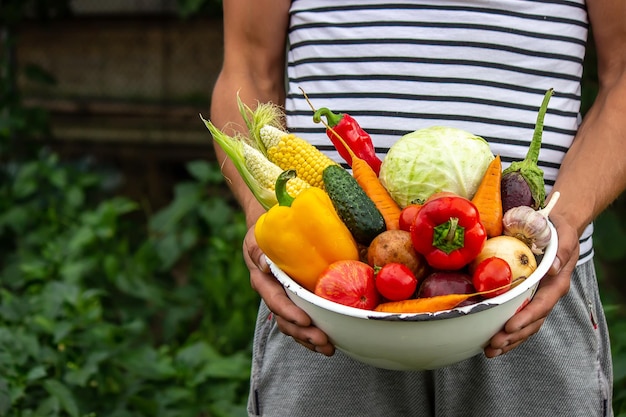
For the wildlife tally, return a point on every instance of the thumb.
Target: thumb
(261, 262)
(253, 253)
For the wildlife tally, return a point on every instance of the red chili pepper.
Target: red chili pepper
(351, 132)
(447, 231)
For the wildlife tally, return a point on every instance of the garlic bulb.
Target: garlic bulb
(530, 225)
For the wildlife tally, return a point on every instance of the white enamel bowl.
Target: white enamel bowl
(416, 341)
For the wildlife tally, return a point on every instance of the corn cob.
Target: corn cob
(288, 151)
(264, 114)
(256, 170)
(266, 173)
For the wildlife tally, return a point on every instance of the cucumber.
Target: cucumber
(354, 207)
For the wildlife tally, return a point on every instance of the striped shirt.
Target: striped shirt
(482, 66)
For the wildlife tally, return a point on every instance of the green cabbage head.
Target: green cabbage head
(435, 159)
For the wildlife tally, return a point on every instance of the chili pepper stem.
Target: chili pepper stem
(327, 126)
(333, 119)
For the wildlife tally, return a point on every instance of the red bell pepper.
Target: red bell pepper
(353, 135)
(447, 231)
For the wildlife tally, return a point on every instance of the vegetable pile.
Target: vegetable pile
(434, 225)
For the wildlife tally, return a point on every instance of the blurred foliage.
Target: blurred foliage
(103, 315)
(105, 310)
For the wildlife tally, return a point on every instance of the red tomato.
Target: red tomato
(396, 282)
(350, 283)
(490, 274)
(407, 216)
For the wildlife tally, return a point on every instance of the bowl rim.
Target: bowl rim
(542, 268)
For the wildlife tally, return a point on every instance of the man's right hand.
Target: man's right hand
(291, 320)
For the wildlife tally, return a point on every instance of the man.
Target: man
(482, 66)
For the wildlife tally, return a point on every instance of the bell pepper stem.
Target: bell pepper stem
(283, 197)
(454, 222)
(449, 236)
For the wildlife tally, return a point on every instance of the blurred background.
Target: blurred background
(122, 288)
(125, 81)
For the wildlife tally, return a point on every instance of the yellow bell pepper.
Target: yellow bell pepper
(303, 235)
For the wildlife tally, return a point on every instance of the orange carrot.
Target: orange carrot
(438, 302)
(423, 305)
(368, 180)
(366, 177)
(488, 199)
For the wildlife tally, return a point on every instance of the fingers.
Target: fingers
(549, 292)
(273, 293)
(529, 320)
(310, 337)
(252, 254)
(551, 288)
(291, 320)
(504, 342)
(568, 249)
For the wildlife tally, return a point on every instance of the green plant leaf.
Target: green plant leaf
(82, 237)
(169, 250)
(15, 218)
(74, 196)
(196, 354)
(236, 366)
(49, 407)
(62, 330)
(36, 373)
(82, 375)
(217, 214)
(75, 270)
(65, 397)
(58, 178)
(186, 197)
(200, 170)
(148, 363)
(26, 182)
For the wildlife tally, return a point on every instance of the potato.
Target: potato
(396, 246)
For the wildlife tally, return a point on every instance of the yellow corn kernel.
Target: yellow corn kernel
(289, 151)
(266, 172)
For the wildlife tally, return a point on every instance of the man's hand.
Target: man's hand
(552, 287)
(291, 320)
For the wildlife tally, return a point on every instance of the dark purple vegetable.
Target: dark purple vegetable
(515, 192)
(522, 182)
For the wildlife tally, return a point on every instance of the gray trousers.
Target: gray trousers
(563, 370)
